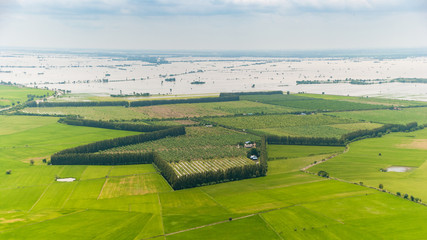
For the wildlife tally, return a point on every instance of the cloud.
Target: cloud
(207, 7)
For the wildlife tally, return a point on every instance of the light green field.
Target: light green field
(292, 151)
(368, 100)
(12, 95)
(362, 163)
(403, 116)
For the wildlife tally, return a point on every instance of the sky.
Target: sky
(213, 24)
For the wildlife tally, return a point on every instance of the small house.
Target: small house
(253, 157)
(250, 144)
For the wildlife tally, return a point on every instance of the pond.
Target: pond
(399, 169)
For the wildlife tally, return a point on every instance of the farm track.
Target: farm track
(253, 214)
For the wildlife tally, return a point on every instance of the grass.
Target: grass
(12, 94)
(291, 151)
(306, 103)
(134, 185)
(368, 100)
(135, 202)
(363, 163)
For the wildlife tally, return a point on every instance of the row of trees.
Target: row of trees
(346, 138)
(317, 141)
(378, 132)
(123, 141)
(78, 104)
(190, 100)
(250, 93)
(211, 177)
(112, 125)
(102, 158)
(133, 103)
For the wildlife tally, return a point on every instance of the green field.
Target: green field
(368, 100)
(363, 163)
(308, 103)
(403, 116)
(10, 95)
(135, 201)
(291, 151)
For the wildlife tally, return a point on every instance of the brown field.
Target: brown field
(415, 144)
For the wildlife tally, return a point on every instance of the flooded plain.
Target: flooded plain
(86, 73)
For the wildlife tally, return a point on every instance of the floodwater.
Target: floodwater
(65, 179)
(108, 75)
(399, 169)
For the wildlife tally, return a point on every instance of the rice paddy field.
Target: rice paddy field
(136, 202)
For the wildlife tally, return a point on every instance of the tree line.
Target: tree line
(78, 104)
(102, 158)
(346, 138)
(229, 94)
(214, 176)
(112, 125)
(176, 101)
(123, 141)
(133, 103)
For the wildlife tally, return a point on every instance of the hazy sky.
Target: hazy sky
(214, 24)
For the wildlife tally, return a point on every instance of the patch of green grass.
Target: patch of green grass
(294, 151)
(132, 169)
(304, 103)
(368, 100)
(93, 172)
(237, 229)
(362, 163)
(134, 185)
(103, 225)
(190, 208)
(13, 94)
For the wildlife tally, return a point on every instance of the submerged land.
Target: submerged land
(185, 172)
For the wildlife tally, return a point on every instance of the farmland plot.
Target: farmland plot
(189, 167)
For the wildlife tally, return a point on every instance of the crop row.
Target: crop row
(190, 167)
(278, 121)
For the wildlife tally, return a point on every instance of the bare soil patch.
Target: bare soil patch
(415, 144)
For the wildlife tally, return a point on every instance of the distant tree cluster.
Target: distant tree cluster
(318, 141)
(112, 125)
(103, 158)
(78, 104)
(249, 93)
(210, 177)
(176, 101)
(378, 132)
(323, 174)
